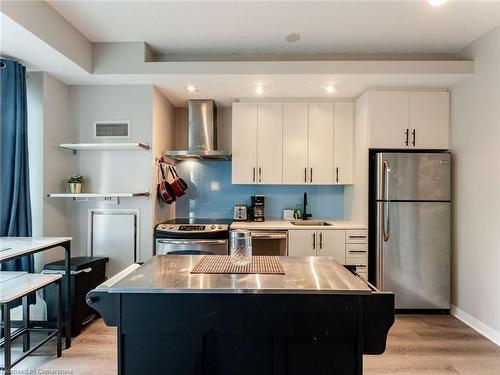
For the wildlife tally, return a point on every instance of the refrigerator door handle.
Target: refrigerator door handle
(385, 209)
(385, 226)
(386, 172)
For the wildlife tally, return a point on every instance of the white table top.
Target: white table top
(22, 285)
(13, 247)
(9, 275)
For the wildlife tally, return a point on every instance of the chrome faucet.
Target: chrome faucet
(305, 215)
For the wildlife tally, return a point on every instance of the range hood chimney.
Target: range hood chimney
(202, 133)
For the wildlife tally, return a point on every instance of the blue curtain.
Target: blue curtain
(15, 206)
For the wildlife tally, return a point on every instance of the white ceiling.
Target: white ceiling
(19, 43)
(188, 27)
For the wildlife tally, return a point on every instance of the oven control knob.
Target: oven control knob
(163, 226)
(171, 227)
(220, 226)
(212, 227)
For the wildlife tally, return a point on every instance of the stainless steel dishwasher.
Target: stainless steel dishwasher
(270, 242)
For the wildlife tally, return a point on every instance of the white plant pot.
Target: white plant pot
(75, 188)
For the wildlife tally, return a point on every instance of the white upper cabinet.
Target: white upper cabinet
(389, 117)
(320, 145)
(430, 119)
(295, 143)
(292, 143)
(244, 143)
(409, 119)
(343, 142)
(269, 143)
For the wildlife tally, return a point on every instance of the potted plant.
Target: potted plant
(75, 184)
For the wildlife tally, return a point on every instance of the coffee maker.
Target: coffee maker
(256, 212)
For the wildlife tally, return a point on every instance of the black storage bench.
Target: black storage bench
(86, 274)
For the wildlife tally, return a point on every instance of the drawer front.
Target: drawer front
(357, 251)
(362, 270)
(356, 236)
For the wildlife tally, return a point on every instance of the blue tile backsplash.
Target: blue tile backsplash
(211, 194)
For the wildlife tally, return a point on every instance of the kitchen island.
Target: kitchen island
(317, 318)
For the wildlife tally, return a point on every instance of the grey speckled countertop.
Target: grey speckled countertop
(303, 275)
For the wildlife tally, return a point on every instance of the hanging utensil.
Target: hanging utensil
(177, 187)
(181, 180)
(165, 191)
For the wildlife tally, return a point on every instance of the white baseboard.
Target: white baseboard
(476, 324)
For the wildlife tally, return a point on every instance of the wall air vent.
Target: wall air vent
(112, 129)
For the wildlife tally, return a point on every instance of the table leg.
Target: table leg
(7, 341)
(67, 324)
(59, 317)
(26, 323)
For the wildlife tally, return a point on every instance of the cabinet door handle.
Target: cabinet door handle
(311, 176)
(337, 174)
(314, 241)
(305, 174)
(260, 174)
(357, 251)
(253, 175)
(413, 133)
(320, 240)
(407, 133)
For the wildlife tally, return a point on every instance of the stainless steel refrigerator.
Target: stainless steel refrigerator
(412, 223)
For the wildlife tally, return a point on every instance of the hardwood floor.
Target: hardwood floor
(418, 344)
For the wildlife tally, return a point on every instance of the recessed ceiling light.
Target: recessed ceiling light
(436, 3)
(292, 38)
(191, 88)
(260, 89)
(330, 89)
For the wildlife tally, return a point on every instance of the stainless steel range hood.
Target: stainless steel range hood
(202, 133)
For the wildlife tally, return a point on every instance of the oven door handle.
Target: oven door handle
(186, 242)
(269, 235)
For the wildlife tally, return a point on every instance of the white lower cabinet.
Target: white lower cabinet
(301, 242)
(329, 242)
(348, 247)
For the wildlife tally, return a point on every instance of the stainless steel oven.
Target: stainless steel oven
(192, 236)
(267, 242)
(189, 247)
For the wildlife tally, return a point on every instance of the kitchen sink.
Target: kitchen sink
(311, 223)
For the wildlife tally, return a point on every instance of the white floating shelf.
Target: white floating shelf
(104, 146)
(97, 195)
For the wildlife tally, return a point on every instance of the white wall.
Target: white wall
(34, 94)
(164, 124)
(112, 171)
(47, 102)
(49, 165)
(475, 136)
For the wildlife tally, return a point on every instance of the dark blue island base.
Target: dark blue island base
(245, 333)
